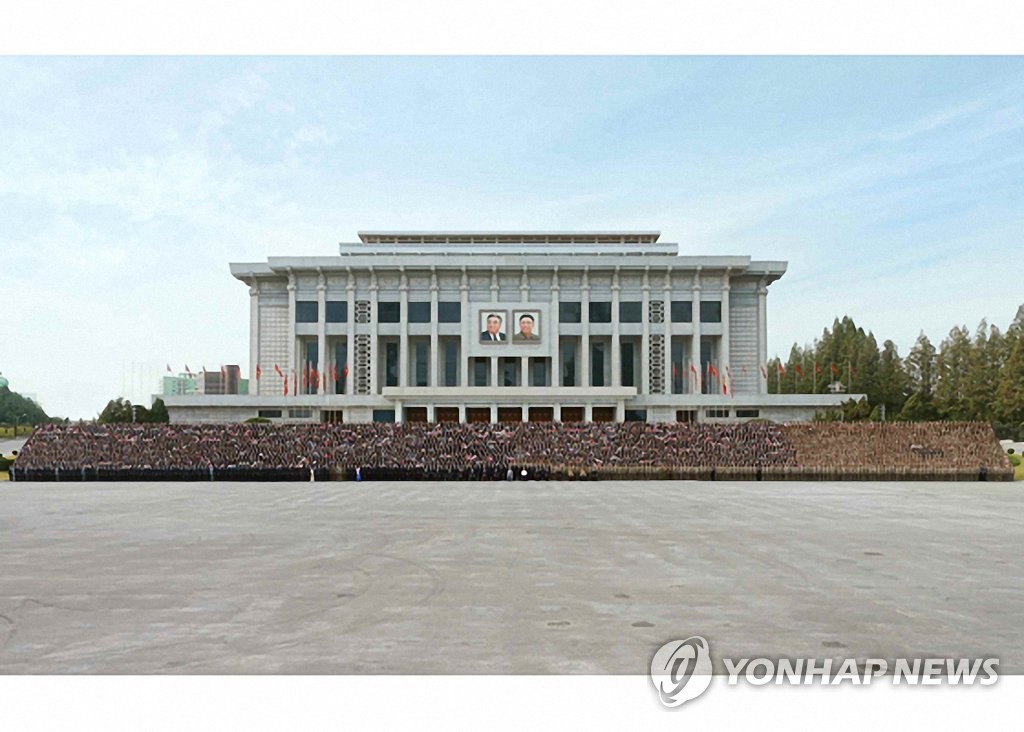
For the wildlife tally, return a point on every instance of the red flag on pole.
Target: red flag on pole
(187, 370)
(835, 371)
(279, 371)
(286, 387)
(782, 371)
(169, 369)
(259, 372)
(799, 371)
(817, 369)
(764, 374)
(724, 389)
(344, 371)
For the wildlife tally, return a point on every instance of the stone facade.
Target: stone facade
(588, 325)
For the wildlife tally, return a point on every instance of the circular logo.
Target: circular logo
(681, 670)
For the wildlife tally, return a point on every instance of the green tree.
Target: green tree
(952, 367)
(15, 408)
(117, 411)
(158, 412)
(920, 405)
(1009, 405)
(893, 380)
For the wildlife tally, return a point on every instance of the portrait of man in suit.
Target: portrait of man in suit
(492, 324)
(528, 324)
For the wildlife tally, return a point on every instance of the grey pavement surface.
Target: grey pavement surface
(585, 577)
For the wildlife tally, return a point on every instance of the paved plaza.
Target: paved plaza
(584, 577)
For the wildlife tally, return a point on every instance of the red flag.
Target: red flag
(764, 374)
(799, 371)
(782, 371)
(817, 369)
(278, 370)
(724, 389)
(835, 371)
(169, 369)
(286, 387)
(187, 371)
(305, 377)
(259, 372)
(712, 370)
(344, 371)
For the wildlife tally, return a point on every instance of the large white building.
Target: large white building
(507, 326)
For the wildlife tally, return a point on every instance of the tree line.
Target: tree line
(977, 376)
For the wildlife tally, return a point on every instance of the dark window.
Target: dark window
(719, 413)
(337, 312)
(306, 312)
(449, 312)
(481, 367)
(422, 364)
(597, 364)
(540, 371)
(748, 413)
(711, 312)
(383, 415)
(300, 413)
(636, 415)
(419, 312)
(388, 312)
(312, 364)
(510, 371)
(270, 413)
(569, 312)
(569, 363)
(678, 373)
(451, 363)
(630, 312)
(682, 311)
(600, 312)
(340, 364)
(391, 364)
(627, 364)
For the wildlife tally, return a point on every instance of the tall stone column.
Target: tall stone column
(254, 336)
(321, 332)
(762, 335)
(585, 329)
(350, 346)
(666, 362)
(552, 324)
(645, 337)
(724, 369)
(695, 342)
(403, 330)
(292, 345)
(435, 354)
(616, 349)
(467, 317)
(375, 355)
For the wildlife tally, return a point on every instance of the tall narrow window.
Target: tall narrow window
(627, 364)
(451, 363)
(422, 364)
(597, 364)
(391, 364)
(569, 363)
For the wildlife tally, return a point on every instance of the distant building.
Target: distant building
(180, 385)
(226, 381)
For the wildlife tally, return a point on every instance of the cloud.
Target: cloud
(933, 121)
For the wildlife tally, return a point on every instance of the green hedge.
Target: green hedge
(5, 464)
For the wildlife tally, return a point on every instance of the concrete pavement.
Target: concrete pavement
(584, 577)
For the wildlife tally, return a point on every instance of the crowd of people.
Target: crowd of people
(909, 446)
(515, 451)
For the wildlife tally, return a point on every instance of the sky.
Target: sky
(893, 186)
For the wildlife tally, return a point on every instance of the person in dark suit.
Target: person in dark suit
(493, 332)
